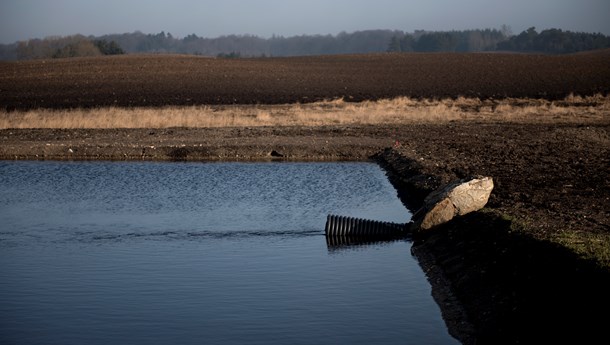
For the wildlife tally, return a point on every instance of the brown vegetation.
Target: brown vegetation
(396, 111)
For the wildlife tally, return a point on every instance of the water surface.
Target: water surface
(191, 253)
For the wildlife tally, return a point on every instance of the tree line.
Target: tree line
(253, 46)
(60, 47)
(449, 41)
(552, 41)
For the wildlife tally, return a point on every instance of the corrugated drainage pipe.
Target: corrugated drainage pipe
(340, 226)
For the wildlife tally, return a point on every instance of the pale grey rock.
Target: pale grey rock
(454, 199)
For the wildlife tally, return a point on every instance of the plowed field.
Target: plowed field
(160, 80)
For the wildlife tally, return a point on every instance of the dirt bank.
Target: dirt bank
(513, 266)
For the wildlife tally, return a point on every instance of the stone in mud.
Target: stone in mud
(454, 199)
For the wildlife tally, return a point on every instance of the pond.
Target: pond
(214, 253)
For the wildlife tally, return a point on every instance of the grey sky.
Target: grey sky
(24, 19)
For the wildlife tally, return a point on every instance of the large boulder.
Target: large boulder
(455, 199)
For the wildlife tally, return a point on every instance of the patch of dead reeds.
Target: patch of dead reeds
(402, 110)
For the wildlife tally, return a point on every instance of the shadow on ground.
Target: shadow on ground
(515, 289)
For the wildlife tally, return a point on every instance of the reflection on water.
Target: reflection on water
(351, 243)
(223, 253)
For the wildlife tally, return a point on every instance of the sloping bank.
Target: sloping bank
(494, 282)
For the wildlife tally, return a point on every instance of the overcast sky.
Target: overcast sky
(25, 19)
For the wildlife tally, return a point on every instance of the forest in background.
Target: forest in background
(551, 41)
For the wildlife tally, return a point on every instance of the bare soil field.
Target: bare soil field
(533, 266)
(158, 80)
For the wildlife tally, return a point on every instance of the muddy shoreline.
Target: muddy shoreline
(511, 278)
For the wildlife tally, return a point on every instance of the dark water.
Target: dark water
(193, 253)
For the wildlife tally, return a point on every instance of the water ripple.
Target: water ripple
(173, 235)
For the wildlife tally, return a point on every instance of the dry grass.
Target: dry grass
(337, 112)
